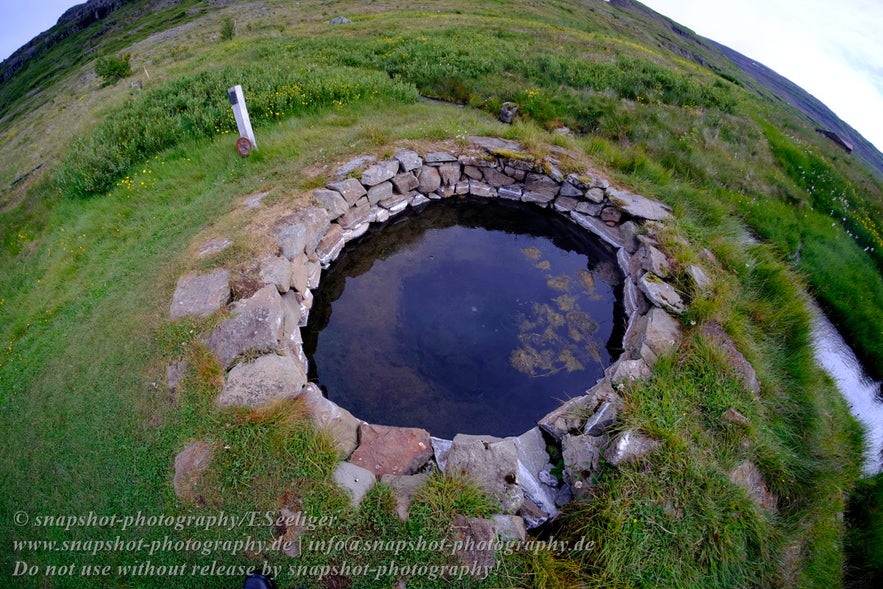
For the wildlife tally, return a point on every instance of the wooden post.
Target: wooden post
(237, 101)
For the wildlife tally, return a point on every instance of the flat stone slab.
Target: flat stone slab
(214, 246)
(385, 449)
(638, 206)
(355, 480)
(268, 378)
(474, 544)
(256, 326)
(200, 294)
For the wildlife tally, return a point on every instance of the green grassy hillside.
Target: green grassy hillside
(105, 189)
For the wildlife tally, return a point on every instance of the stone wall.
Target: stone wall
(260, 346)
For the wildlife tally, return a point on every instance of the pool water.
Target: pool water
(465, 317)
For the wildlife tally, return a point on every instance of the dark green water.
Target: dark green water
(465, 317)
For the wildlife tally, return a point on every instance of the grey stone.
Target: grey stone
(292, 321)
(651, 336)
(380, 172)
(379, 192)
(568, 417)
(699, 278)
(339, 423)
(441, 448)
(637, 205)
(715, 332)
(565, 204)
(386, 449)
(611, 215)
(357, 214)
(404, 487)
(211, 247)
(493, 465)
(379, 214)
(624, 371)
(731, 415)
(355, 232)
(609, 234)
(256, 326)
(481, 189)
(496, 178)
(449, 172)
(602, 419)
(438, 157)
(589, 208)
(419, 200)
(539, 198)
(355, 480)
(268, 378)
(314, 272)
(408, 159)
(510, 192)
(650, 259)
(496, 143)
(629, 236)
(331, 245)
(460, 188)
(473, 172)
(253, 201)
(353, 165)
(396, 203)
(429, 178)
(405, 183)
(568, 189)
(190, 464)
(474, 545)
(630, 447)
(599, 182)
(530, 449)
(339, 20)
(748, 477)
(581, 455)
(596, 195)
(510, 528)
(541, 185)
(508, 112)
(516, 173)
(276, 271)
(175, 372)
(350, 189)
(200, 295)
(299, 278)
(635, 301)
(332, 201)
(303, 228)
(661, 293)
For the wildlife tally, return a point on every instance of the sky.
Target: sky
(831, 48)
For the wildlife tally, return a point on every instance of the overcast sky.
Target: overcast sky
(831, 48)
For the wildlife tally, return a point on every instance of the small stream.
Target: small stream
(861, 392)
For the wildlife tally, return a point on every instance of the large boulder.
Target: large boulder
(268, 378)
(637, 205)
(492, 463)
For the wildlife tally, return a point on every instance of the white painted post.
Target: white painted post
(237, 101)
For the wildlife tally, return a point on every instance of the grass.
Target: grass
(93, 244)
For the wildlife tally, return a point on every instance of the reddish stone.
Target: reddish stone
(392, 450)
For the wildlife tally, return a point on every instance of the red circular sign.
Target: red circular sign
(243, 146)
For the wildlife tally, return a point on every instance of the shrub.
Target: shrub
(112, 69)
(228, 29)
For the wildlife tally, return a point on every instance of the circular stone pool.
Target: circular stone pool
(465, 317)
